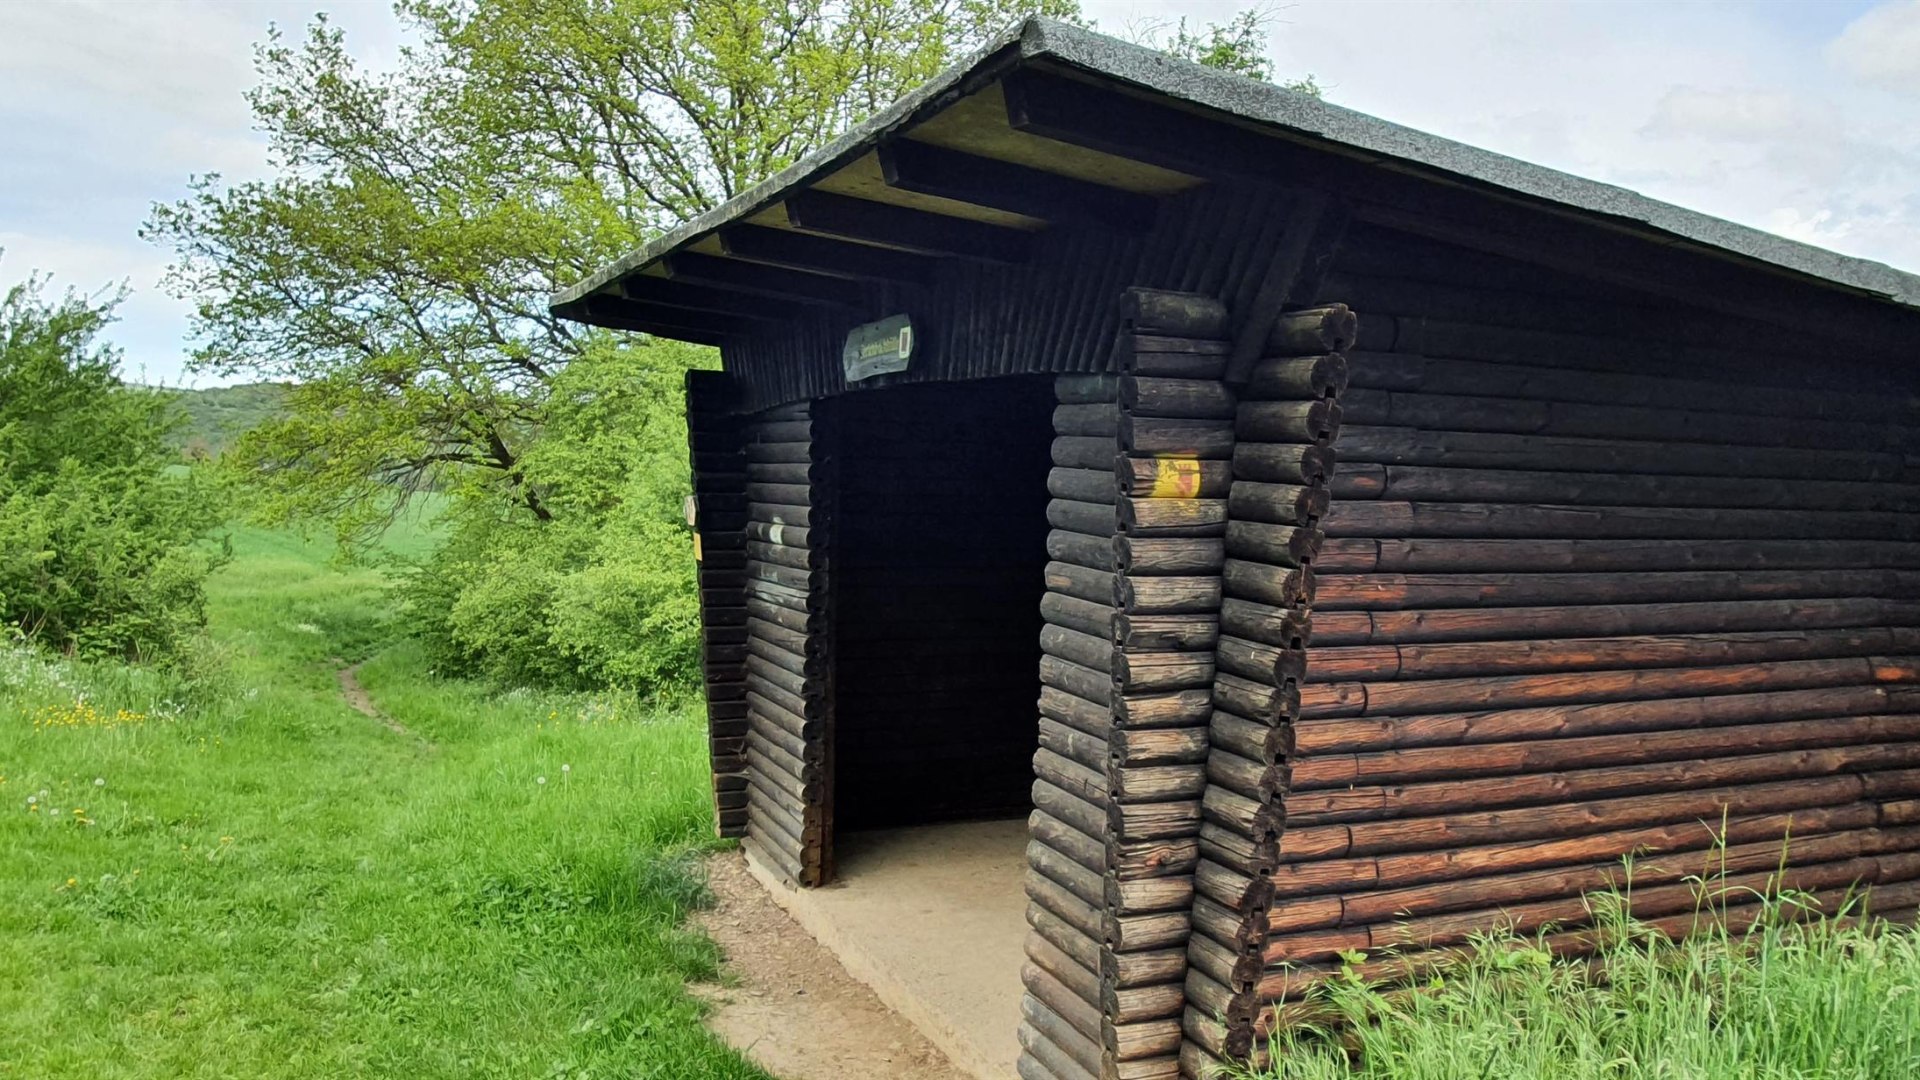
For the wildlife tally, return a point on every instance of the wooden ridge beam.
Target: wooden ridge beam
(982, 181)
(827, 214)
(822, 255)
(778, 282)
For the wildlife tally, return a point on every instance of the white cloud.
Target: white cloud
(1882, 47)
(1742, 115)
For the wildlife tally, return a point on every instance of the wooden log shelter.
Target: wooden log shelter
(1329, 537)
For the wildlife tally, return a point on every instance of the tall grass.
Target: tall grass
(246, 878)
(1787, 997)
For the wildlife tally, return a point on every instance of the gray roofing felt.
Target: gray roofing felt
(1265, 103)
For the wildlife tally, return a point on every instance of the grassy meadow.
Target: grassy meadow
(246, 878)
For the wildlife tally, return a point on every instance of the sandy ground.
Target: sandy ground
(795, 1011)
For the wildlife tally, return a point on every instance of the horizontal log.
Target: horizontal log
(1184, 399)
(1050, 896)
(1275, 504)
(1452, 660)
(1287, 627)
(1340, 876)
(1446, 797)
(1082, 485)
(1470, 555)
(1297, 378)
(1261, 662)
(1174, 478)
(1570, 721)
(1157, 783)
(1422, 483)
(1412, 698)
(1157, 672)
(1063, 839)
(1610, 620)
(1261, 743)
(1257, 821)
(1168, 810)
(1092, 519)
(1084, 682)
(1087, 421)
(1152, 436)
(1086, 616)
(1168, 633)
(1494, 450)
(1164, 595)
(1276, 585)
(1278, 545)
(1132, 747)
(1255, 700)
(1087, 751)
(1182, 708)
(1162, 556)
(1093, 552)
(1062, 870)
(1172, 517)
(1532, 416)
(1500, 520)
(1551, 755)
(1088, 785)
(1287, 421)
(1156, 930)
(1078, 648)
(1081, 1013)
(1068, 807)
(1076, 712)
(1145, 895)
(1394, 591)
(1083, 452)
(1282, 462)
(1062, 1063)
(1310, 331)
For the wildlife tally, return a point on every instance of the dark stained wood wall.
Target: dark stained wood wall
(719, 522)
(940, 540)
(789, 665)
(1596, 572)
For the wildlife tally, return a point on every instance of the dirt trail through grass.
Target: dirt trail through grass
(360, 701)
(244, 879)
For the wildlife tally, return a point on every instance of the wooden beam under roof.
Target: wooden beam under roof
(609, 311)
(714, 322)
(819, 254)
(668, 292)
(969, 178)
(779, 282)
(828, 214)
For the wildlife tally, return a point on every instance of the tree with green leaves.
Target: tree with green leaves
(100, 527)
(395, 267)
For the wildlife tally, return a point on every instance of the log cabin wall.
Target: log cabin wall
(719, 522)
(940, 535)
(1132, 607)
(1287, 417)
(1597, 572)
(789, 663)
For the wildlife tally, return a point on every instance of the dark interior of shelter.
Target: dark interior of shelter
(938, 572)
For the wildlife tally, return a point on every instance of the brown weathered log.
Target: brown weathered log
(1180, 399)
(1084, 452)
(1076, 712)
(1174, 478)
(1493, 450)
(1093, 519)
(1282, 462)
(1607, 621)
(1183, 708)
(1085, 750)
(1089, 683)
(1279, 586)
(1280, 545)
(1568, 721)
(1470, 555)
(1261, 662)
(1416, 483)
(1086, 851)
(1063, 1064)
(1159, 746)
(1087, 817)
(1062, 870)
(1082, 485)
(1138, 896)
(1158, 556)
(1450, 797)
(1081, 1013)
(1313, 330)
(1156, 671)
(1172, 517)
(1081, 583)
(1076, 647)
(1472, 519)
(1388, 592)
(1275, 504)
(1409, 698)
(1265, 743)
(1297, 378)
(1165, 595)
(1174, 633)
(1092, 552)
(1086, 616)
(1157, 783)
(1254, 700)
(1089, 785)
(1163, 812)
(1287, 421)
(1177, 438)
(1287, 627)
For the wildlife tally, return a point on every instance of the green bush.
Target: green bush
(100, 527)
(602, 593)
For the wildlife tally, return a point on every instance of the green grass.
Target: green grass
(248, 879)
(1781, 1001)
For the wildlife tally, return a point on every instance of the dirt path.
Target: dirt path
(796, 1012)
(360, 701)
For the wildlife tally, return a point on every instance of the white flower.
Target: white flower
(99, 781)
(539, 779)
(566, 768)
(31, 799)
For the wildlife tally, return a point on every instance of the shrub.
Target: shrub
(99, 524)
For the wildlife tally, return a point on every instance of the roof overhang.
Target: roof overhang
(1052, 124)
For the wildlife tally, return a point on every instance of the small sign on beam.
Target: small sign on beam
(877, 348)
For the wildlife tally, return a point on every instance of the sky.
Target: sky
(1799, 118)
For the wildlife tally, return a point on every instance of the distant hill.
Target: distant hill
(218, 415)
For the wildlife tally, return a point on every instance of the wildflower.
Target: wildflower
(71, 882)
(99, 781)
(226, 839)
(539, 779)
(31, 799)
(564, 769)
